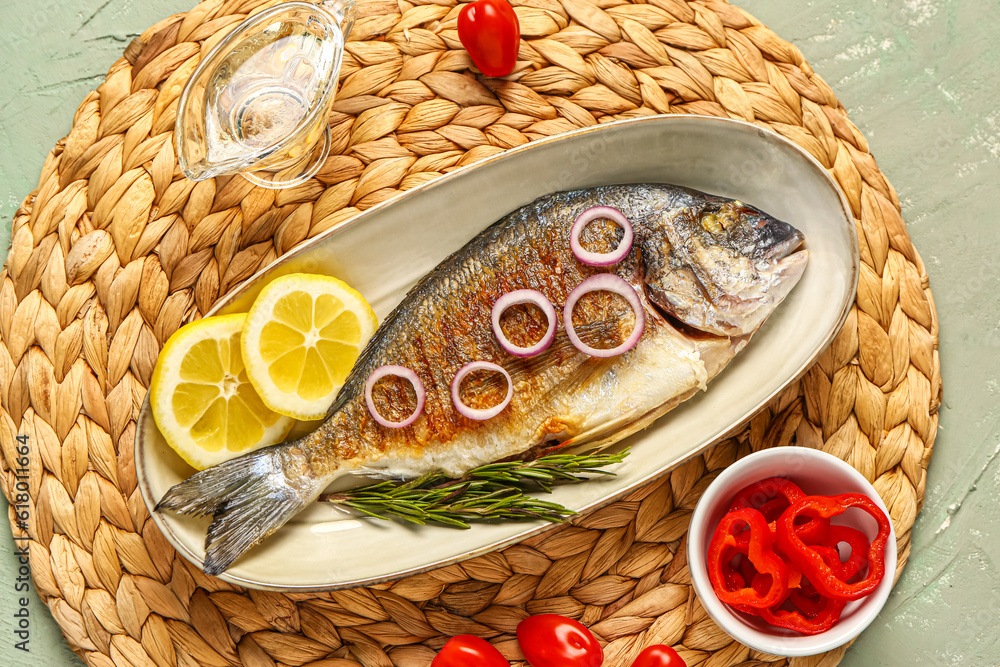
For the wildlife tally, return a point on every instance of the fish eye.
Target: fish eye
(712, 223)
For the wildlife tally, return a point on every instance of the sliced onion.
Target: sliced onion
(518, 297)
(601, 258)
(485, 413)
(406, 374)
(605, 282)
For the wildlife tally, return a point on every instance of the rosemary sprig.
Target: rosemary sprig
(493, 491)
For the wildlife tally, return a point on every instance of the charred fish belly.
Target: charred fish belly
(707, 272)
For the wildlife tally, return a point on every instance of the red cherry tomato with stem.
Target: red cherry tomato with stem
(489, 31)
(469, 651)
(551, 640)
(659, 655)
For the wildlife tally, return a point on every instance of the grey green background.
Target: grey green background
(919, 78)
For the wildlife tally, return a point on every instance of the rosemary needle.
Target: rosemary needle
(495, 491)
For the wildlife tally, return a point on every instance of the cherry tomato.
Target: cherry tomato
(551, 640)
(659, 655)
(468, 651)
(489, 31)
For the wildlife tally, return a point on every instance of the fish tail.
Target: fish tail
(248, 498)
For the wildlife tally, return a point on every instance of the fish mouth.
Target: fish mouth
(787, 247)
(789, 268)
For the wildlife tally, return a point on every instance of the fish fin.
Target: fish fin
(606, 435)
(249, 498)
(602, 436)
(376, 473)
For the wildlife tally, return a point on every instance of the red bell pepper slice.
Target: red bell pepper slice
(827, 577)
(859, 544)
(827, 612)
(810, 605)
(736, 578)
(814, 612)
(773, 508)
(760, 582)
(809, 601)
(758, 547)
(772, 496)
(758, 494)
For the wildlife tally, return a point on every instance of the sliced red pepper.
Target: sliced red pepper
(773, 508)
(760, 493)
(824, 576)
(827, 612)
(772, 496)
(734, 580)
(831, 556)
(801, 593)
(811, 532)
(809, 601)
(758, 547)
(810, 605)
(760, 582)
(747, 570)
(813, 611)
(750, 574)
(803, 596)
(859, 544)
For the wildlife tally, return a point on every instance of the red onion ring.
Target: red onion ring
(518, 297)
(601, 258)
(605, 282)
(406, 374)
(485, 413)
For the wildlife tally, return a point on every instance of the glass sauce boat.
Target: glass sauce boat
(258, 102)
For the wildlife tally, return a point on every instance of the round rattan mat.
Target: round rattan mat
(115, 250)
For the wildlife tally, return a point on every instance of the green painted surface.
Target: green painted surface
(919, 79)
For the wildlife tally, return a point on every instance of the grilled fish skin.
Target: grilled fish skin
(708, 271)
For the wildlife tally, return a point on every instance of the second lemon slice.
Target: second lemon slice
(301, 339)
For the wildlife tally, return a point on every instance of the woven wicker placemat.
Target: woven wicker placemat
(115, 250)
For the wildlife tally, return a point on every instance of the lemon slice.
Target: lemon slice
(301, 339)
(203, 402)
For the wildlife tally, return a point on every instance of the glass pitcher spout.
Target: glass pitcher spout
(344, 11)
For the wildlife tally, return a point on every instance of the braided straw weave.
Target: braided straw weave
(115, 250)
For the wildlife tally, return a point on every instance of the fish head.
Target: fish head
(721, 266)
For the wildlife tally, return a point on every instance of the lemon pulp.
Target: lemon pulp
(301, 338)
(202, 399)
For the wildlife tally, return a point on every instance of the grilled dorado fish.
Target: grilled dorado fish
(708, 272)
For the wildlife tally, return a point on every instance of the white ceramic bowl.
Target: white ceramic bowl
(817, 473)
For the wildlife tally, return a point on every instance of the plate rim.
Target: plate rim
(144, 419)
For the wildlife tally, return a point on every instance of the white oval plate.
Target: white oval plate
(383, 251)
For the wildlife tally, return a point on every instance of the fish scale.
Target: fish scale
(708, 271)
